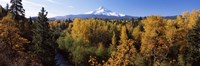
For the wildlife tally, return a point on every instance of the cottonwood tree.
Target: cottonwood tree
(11, 43)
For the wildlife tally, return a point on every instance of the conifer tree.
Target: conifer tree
(7, 7)
(193, 48)
(114, 42)
(2, 12)
(17, 9)
(42, 40)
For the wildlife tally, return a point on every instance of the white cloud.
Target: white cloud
(32, 8)
(4, 2)
(53, 1)
(70, 6)
(28, 2)
(25, 2)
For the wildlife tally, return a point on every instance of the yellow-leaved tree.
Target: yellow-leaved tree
(10, 34)
(123, 36)
(11, 43)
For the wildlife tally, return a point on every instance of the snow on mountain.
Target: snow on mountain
(103, 11)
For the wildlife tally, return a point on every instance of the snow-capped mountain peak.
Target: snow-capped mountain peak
(103, 11)
(101, 7)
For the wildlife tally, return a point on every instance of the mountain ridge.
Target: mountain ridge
(101, 12)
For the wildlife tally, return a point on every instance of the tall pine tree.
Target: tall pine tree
(17, 9)
(18, 12)
(42, 40)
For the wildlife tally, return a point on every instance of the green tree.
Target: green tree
(17, 9)
(193, 48)
(113, 45)
(7, 8)
(2, 12)
(44, 47)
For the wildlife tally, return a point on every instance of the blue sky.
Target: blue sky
(129, 7)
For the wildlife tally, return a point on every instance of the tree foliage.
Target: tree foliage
(17, 9)
(145, 41)
(44, 47)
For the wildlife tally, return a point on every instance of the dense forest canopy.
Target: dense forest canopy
(149, 41)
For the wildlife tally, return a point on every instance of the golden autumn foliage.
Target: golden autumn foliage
(155, 41)
(124, 55)
(10, 34)
(142, 41)
(123, 36)
(153, 27)
(164, 42)
(136, 33)
(12, 45)
(93, 37)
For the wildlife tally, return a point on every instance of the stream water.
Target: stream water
(60, 61)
